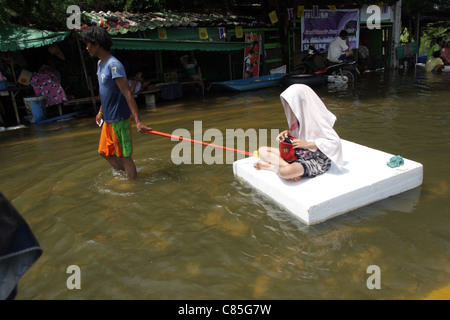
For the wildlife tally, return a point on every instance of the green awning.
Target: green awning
(15, 37)
(178, 45)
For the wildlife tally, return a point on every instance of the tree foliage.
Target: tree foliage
(51, 14)
(437, 29)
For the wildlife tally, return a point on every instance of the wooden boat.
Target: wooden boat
(308, 79)
(65, 116)
(271, 80)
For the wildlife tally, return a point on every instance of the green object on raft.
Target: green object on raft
(395, 162)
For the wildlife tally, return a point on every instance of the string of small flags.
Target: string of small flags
(315, 13)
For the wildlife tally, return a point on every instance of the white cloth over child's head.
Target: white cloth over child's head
(315, 121)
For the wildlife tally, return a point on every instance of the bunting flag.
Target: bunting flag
(273, 17)
(332, 8)
(203, 33)
(222, 33)
(300, 11)
(162, 33)
(290, 14)
(315, 12)
(238, 31)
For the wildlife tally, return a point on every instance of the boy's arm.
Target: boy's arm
(99, 117)
(122, 83)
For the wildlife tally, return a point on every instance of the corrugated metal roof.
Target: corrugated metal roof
(123, 22)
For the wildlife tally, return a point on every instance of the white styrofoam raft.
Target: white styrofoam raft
(366, 178)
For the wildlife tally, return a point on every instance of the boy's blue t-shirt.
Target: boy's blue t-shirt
(114, 105)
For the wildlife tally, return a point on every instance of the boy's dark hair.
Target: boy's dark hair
(97, 35)
(343, 33)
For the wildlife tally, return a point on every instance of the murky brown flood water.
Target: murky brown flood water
(196, 232)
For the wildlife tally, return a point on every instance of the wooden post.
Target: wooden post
(396, 31)
(88, 79)
(230, 66)
(12, 68)
(159, 66)
(417, 35)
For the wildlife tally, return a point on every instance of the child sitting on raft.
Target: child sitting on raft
(315, 144)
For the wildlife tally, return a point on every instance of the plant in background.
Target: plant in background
(431, 32)
(404, 37)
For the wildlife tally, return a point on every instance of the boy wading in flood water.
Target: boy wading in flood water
(117, 103)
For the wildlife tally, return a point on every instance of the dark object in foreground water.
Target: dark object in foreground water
(19, 249)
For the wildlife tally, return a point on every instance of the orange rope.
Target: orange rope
(167, 135)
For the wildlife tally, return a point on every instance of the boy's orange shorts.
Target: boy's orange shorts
(116, 138)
